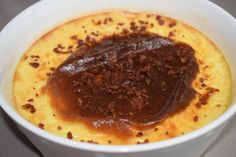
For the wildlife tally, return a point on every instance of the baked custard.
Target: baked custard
(122, 78)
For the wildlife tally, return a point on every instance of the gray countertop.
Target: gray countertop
(14, 144)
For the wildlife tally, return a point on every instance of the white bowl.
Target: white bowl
(28, 26)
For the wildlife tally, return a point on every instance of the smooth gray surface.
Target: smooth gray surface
(15, 144)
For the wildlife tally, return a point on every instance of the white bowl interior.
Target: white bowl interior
(20, 33)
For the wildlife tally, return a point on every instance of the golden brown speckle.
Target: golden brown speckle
(69, 135)
(41, 125)
(195, 118)
(139, 134)
(29, 107)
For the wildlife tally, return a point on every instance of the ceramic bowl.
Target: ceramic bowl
(36, 20)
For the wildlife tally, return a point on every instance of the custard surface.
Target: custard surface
(213, 80)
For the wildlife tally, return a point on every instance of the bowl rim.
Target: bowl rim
(115, 148)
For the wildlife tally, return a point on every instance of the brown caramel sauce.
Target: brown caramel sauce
(124, 81)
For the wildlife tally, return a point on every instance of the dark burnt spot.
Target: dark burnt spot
(143, 22)
(30, 100)
(69, 135)
(99, 22)
(92, 141)
(125, 31)
(41, 125)
(143, 142)
(160, 20)
(120, 24)
(105, 21)
(195, 118)
(201, 80)
(89, 40)
(34, 64)
(74, 37)
(95, 34)
(198, 105)
(110, 19)
(29, 107)
(218, 105)
(203, 85)
(133, 26)
(172, 24)
(34, 56)
(203, 98)
(139, 134)
(52, 68)
(205, 67)
(48, 74)
(59, 127)
(60, 49)
(171, 34)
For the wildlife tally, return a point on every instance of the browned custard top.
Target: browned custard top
(132, 79)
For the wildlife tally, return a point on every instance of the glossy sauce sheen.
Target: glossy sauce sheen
(134, 79)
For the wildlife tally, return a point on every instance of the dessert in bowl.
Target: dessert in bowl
(165, 129)
(122, 78)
